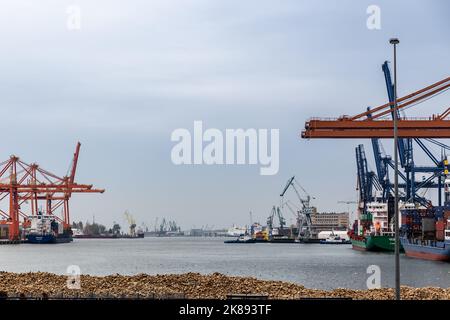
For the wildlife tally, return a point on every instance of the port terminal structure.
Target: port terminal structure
(27, 186)
(375, 124)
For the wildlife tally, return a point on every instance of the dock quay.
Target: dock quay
(6, 241)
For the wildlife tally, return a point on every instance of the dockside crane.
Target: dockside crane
(291, 183)
(26, 185)
(288, 204)
(304, 217)
(270, 218)
(131, 223)
(281, 219)
(163, 226)
(374, 124)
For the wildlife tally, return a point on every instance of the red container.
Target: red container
(440, 225)
(406, 220)
(440, 235)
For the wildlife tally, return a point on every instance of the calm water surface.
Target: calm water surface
(312, 265)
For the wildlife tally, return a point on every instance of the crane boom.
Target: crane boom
(75, 162)
(287, 186)
(370, 124)
(290, 208)
(290, 183)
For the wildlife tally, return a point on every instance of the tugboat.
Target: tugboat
(335, 239)
(140, 233)
(426, 232)
(45, 229)
(242, 239)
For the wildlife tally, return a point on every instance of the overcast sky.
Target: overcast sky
(137, 70)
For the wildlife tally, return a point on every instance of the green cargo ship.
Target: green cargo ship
(374, 243)
(373, 230)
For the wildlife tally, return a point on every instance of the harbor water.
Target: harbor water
(312, 265)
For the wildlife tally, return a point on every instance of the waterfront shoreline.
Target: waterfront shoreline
(188, 285)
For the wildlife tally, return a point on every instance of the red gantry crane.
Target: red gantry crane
(372, 124)
(26, 185)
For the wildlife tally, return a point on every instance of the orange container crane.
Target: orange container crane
(371, 124)
(25, 185)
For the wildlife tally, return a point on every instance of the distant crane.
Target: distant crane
(270, 218)
(174, 227)
(275, 212)
(163, 225)
(281, 219)
(296, 213)
(131, 223)
(304, 216)
(287, 204)
(291, 183)
(348, 203)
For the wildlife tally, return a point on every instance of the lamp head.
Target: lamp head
(394, 41)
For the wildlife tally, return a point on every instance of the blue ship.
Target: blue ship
(428, 249)
(426, 232)
(45, 229)
(48, 238)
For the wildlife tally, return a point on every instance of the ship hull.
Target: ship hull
(335, 242)
(438, 252)
(282, 241)
(47, 238)
(240, 241)
(374, 243)
(308, 240)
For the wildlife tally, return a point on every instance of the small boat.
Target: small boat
(335, 239)
(241, 239)
(236, 231)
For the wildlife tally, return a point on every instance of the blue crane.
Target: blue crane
(406, 156)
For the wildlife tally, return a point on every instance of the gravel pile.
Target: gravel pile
(188, 285)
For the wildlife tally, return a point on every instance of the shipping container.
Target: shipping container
(447, 215)
(4, 231)
(428, 224)
(440, 225)
(440, 235)
(428, 235)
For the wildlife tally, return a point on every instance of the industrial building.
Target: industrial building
(326, 221)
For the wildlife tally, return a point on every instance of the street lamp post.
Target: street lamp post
(395, 41)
